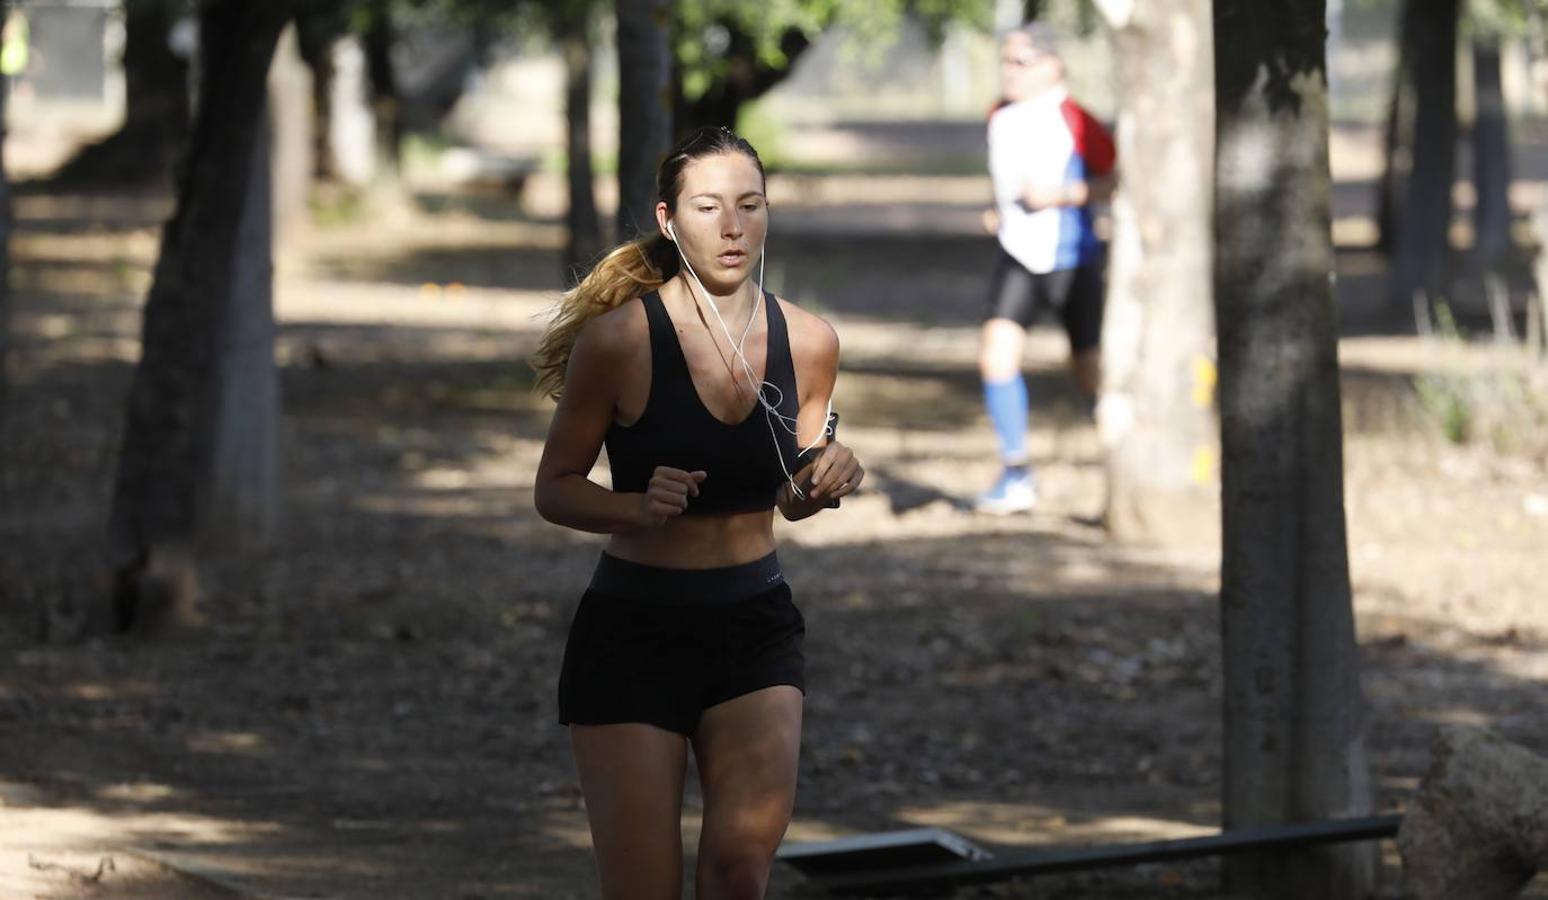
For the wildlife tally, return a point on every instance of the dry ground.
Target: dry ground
(371, 712)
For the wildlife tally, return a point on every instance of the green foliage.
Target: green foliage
(1499, 18)
(706, 28)
(1076, 17)
(336, 207)
(1445, 398)
(763, 131)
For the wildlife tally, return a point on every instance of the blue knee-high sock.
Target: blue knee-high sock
(1007, 404)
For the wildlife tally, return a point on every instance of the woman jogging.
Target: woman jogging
(712, 397)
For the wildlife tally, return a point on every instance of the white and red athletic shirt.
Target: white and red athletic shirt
(1047, 140)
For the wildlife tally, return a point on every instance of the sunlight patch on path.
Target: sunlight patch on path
(50, 848)
(351, 302)
(1033, 824)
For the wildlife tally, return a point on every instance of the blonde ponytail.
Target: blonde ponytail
(627, 272)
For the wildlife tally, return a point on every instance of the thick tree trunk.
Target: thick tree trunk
(1421, 219)
(156, 114)
(585, 228)
(170, 437)
(644, 109)
(1156, 413)
(1479, 828)
(240, 488)
(1294, 749)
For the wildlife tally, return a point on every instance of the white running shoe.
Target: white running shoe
(1015, 492)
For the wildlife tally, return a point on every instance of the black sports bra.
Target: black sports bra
(741, 461)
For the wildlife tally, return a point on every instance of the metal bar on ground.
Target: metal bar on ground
(879, 851)
(1006, 866)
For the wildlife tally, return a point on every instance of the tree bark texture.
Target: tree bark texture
(1422, 160)
(1156, 413)
(584, 246)
(240, 481)
(644, 109)
(1479, 828)
(1294, 749)
(173, 403)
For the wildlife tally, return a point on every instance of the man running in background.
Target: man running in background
(1049, 161)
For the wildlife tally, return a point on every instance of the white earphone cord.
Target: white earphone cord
(771, 410)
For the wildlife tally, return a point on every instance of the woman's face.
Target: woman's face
(721, 219)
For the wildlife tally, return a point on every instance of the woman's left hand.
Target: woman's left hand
(835, 473)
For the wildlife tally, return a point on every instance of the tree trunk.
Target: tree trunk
(345, 136)
(1421, 219)
(320, 61)
(585, 228)
(156, 114)
(1402, 107)
(1156, 412)
(1294, 749)
(644, 109)
(240, 489)
(318, 31)
(1491, 184)
(1397, 138)
(386, 104)
(170, 434)
(1491, 181)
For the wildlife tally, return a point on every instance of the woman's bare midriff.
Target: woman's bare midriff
(699, 542)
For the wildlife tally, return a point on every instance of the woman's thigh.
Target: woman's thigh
(632, 778)
(748, 750)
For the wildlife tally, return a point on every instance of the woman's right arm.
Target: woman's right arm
(562, 491)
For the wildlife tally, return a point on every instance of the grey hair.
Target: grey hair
(1042, 36)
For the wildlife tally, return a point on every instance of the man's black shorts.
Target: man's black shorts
(1076, 294)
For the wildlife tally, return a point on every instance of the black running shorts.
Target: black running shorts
(1076, 294)
(660, 646)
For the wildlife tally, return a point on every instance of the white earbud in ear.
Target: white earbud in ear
(670, 233)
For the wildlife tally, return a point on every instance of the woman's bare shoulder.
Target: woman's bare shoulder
(811, 337)
(619, 333)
